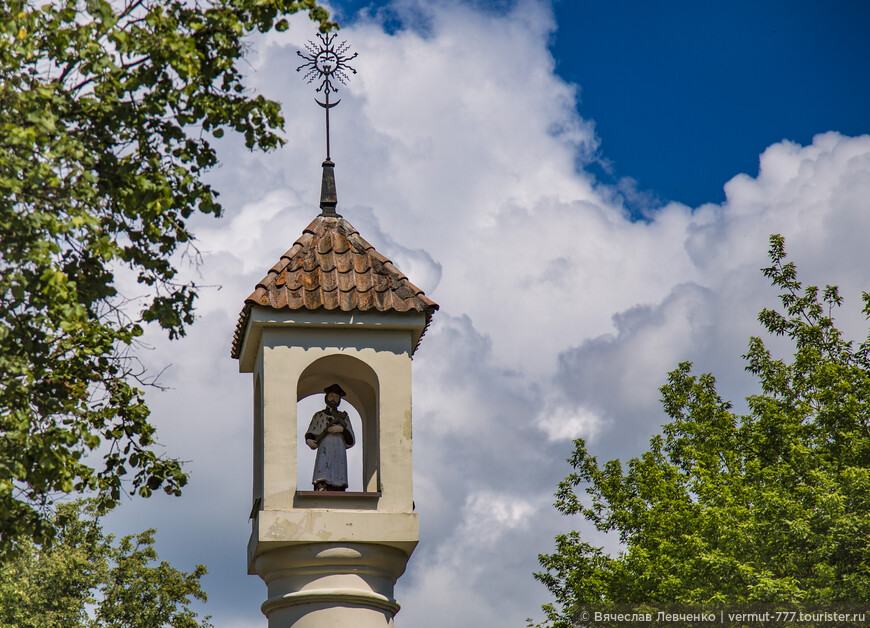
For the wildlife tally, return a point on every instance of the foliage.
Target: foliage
(107, 110)
(772, 506)
(87, 580)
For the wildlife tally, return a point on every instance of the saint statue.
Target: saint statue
(330, 434)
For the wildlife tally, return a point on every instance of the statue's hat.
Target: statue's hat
(335, 388)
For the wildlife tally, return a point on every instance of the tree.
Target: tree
(771, 506)
(87, 580)
(107, 114)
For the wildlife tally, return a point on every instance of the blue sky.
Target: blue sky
(686, 94)
(488, 150)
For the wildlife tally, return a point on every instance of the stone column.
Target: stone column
(321, 574)
(331, 584)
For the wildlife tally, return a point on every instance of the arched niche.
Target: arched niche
(360, 382)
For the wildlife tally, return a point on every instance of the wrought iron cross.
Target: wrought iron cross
(326, 61)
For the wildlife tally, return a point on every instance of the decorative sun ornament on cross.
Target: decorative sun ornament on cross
(327, 61)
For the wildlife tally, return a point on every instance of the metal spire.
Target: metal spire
(326, 61)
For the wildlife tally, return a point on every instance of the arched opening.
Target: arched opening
(360, 383)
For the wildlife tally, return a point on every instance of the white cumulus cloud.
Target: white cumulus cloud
(457, 148)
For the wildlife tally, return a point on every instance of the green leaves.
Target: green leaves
(88, 580)
(771, 506)
(106, 112)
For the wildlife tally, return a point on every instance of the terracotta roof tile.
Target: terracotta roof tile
(278, 299)
(363, 281)
(365, 300)
(349, 301)
(294, 299)
(331, 300)
(311, 299)
(380, 282)
(340, 244)
(330, 281)
(346, 281)
(332, 267)
(361, 262)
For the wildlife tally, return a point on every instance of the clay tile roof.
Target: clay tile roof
(331, 267)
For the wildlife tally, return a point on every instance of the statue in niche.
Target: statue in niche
(330, 434)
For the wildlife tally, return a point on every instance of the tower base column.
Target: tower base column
(325, 585)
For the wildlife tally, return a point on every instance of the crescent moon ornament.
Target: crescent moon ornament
(327, 104)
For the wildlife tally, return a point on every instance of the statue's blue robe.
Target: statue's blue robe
(331, 462)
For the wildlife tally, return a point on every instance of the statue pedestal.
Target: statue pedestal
(331, 567)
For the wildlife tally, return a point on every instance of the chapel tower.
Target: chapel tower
(332, 315)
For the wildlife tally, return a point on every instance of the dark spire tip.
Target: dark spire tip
(328, 196)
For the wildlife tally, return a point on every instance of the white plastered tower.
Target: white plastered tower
(332, 311)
